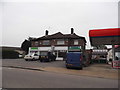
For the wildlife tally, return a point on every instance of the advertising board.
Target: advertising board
(116, 64)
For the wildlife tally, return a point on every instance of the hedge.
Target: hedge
(9, 54)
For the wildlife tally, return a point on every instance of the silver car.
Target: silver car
(33, 56)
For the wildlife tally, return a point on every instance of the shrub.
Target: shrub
(9, 54)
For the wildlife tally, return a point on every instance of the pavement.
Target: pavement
(94, 70)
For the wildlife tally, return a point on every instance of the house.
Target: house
(59, 43)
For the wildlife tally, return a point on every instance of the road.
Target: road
(22, 78)
(23, 63)
(105, 70)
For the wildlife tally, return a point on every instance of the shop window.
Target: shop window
(43, 53)
(61, 54)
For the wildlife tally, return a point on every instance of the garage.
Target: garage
(109, 36)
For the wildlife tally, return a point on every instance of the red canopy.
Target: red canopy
(105, 36)
(105, 32)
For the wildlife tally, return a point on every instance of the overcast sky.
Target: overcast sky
(24, 18)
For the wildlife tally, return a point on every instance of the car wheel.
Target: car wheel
(49, 60)
(41, 61)
(26, 59)
(67, 67)
(33, 59)
(81, 68)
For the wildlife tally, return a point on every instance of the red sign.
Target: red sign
(116, 64)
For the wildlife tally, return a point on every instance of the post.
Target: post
(57, 53)
(113, 55)
(113, 52)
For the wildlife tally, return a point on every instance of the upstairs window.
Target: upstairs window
(46, 42)
(36, 43)
(60, 42)
(75, 42)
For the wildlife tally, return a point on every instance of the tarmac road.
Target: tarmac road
(94, 70)
(23, 63)
(23, 78)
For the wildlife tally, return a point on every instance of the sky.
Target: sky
(20, 19)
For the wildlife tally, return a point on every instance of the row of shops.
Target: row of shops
(60, 52)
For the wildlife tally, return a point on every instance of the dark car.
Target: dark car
(47, 57)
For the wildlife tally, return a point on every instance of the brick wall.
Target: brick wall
(68, 42)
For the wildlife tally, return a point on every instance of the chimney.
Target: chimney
(72, 31)
(46, 32)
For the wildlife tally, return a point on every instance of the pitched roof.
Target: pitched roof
(59, 35)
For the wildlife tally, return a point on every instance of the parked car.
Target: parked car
(74, 60)
(47, 57)
(33, 56)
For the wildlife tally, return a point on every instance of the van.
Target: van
(74, 60)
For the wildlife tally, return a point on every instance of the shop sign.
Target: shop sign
(74, 48)
(34, 48)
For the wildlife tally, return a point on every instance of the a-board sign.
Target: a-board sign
(116, 64)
